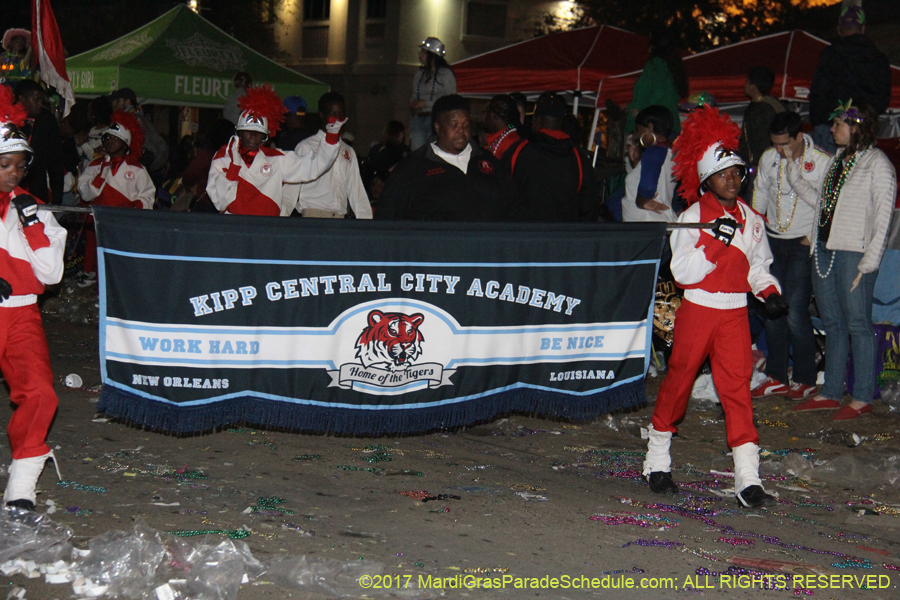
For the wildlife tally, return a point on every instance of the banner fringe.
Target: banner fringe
(266, 413)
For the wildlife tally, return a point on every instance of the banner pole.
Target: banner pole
(88, 210)
(66, 209)
(674, 226)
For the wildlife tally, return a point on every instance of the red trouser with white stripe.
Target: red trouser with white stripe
(25, 362)
(723, 335)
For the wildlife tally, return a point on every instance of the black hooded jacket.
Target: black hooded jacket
(46, 143)
(852, 67)
(555, 180)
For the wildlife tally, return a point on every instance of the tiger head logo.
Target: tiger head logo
(391, 339)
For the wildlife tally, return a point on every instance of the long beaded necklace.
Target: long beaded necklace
(492, 147)
(828, 202)
(419, 84)
(778, 178)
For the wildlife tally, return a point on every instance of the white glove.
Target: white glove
(334, 126)
(234, 151)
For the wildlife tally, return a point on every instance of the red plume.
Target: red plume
(262, 101)
(10, 112)
(703, 128)
(130, 122)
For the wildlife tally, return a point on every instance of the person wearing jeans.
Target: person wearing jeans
(792, 334)
(853, 215)
(789, 220)
(847, 318)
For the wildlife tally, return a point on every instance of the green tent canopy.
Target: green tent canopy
(181, 59)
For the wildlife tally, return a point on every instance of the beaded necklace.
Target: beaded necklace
(828, 202)
(793, 196)
(492, 147)
(419, 83)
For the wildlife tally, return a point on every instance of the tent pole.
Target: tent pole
(593, 138)
(787, 59)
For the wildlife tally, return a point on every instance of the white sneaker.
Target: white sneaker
(85, 279)
(23, 477)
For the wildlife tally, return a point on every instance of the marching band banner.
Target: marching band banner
(368, 328)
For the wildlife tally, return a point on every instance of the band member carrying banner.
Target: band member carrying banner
(717, 267)
(31, 245)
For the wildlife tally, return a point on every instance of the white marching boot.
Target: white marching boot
(658, 463)
(747, 485)
(23, 477)
(658, 456)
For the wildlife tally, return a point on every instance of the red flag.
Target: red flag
(48, 51)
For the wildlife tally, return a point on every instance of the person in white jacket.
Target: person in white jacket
(789, 220)
(650, 187)
(329, 195)
(849, 235)
(247, 177)
(115, 179)
(32, 246)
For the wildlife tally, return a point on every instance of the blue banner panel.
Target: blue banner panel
(368, 328)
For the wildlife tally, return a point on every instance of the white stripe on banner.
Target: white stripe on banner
(386, 346)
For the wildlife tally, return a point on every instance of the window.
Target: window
(316, 10)
(376, 14)
(376, 9)
(315, 41)
(486, 19)
(315, 32)
(375, 31)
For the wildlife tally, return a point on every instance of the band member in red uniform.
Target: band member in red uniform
(31, 255)
(115, 179)
(716, 267)
(247, 177)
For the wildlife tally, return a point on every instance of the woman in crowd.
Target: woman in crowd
(849, 235)
(502, 127)
(662, 82)
(15, 62)
(650, 187)
(433, 80)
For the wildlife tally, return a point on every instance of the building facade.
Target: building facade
(367, 49)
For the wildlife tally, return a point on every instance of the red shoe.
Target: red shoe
(801, 391)
(769, 387)
(819, 403)
(847, 413)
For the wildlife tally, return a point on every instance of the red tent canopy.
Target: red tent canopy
(574, 60)
(792, 56)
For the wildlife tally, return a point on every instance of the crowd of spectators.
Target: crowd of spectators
(815, 219)
(515, 160)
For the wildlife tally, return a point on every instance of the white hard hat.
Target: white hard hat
(433, 45)
(118, 130)
(250, 121)
(718, 158)
(12, 140)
